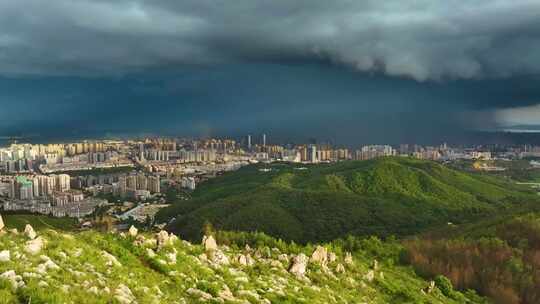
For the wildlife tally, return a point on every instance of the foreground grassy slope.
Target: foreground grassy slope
(19, 221)
(323, 202)
(91, 267)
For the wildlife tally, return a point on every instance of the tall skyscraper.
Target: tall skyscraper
(249, 142)
(264, 140)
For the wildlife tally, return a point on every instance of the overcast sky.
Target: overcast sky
(344, 70)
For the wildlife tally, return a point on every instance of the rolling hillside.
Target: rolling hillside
(323, 202)
(50, 266)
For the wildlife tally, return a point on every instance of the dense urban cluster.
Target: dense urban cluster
(75, 178)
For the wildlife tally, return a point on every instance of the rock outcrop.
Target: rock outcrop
(429, 289)
(370, 276)
(319, 256)
(299, 265)
(34, 246)
(29, 232)
(209, 243)
(218, 257)
(5, 256)
(110, 259)
(124, 295)
(133, 231)
(245, 260)
(348, 258)
(163, 239)
(15, 280)
(1, 223)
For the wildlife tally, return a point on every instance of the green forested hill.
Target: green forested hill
(322, 202)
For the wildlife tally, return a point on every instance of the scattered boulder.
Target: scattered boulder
(348, 258)
(319, 256)
(5, 256)
(218, 257)
(209, 243)
(370, 276)
(283, 257)
(244, 260)
(150, 253)
(124, 295)
(1, 223)
(29, 232)
(375, 265)
(332, 257)
(34, 246)
(299, 265)
(162, 239)
(133, 231)
(171, 257)
(48, 264)
(172, 238)
(201, 295)
(340, 268)
(14, 231)
(140, 240)
(226, 295)
(241, 259)
(429, 289)
(15, 280)
(93, 290)
(111, 259)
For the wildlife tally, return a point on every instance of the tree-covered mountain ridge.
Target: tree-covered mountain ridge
(385, 196)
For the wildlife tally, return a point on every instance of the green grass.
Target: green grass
(144, 275)
(383, 197)
(39, 222)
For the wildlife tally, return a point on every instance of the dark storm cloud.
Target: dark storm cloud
(422, 39)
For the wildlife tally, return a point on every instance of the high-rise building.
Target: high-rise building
(142, 183)
(153, 184)
(312, 153)
(63, 182)
(249, 142)
(264, 140)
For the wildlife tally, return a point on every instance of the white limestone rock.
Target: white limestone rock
(150, 253)
(370, 276)
(348, 258)
(299, 265)
(201, 295)
(244, 260)
(332, 257)
(29, 232)
(111, 259)
(218, 257)
(5, 256)
(34, 246)
(171, 257)
(133, 231)
(124, 295)
(15, 280)
(209, 243)
(319, 256)
(340, 268)
(162, 239)
(1, 223)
